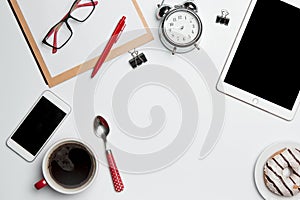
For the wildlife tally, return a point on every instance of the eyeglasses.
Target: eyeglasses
(59, 35)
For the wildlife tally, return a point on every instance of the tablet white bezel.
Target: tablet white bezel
(17, 147)
(245, 96)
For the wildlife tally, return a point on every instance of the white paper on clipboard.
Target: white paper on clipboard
(41, 15)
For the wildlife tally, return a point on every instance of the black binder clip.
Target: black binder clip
(137, 59)
(222, 19)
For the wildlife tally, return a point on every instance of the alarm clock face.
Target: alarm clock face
(182, 27)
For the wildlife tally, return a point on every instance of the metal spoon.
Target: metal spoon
(101, 129)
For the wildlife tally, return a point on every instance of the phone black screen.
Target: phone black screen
(267, 60)
(38, 125)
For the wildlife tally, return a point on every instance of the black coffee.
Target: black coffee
(71, 165)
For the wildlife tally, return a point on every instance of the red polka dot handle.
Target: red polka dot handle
(115, 175)
(40, 184)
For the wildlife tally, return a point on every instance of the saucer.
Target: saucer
(259, 170)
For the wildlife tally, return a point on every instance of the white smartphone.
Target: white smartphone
(36, 128)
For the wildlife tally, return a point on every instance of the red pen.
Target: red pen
(113, 39)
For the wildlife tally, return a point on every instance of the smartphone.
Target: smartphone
(39, 124)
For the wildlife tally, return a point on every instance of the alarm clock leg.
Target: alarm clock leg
(174, 50)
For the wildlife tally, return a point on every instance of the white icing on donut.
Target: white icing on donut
(282, 172)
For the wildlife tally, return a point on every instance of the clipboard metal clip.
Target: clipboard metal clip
(138, 59)
(222, 19)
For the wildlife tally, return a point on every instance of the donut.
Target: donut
(282, 172)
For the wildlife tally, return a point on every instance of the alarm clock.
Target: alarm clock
(180, 28)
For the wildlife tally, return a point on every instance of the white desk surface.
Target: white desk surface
(227, 173)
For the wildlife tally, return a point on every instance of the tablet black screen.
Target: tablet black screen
(268, 57)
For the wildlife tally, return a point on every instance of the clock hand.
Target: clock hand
(179, 28)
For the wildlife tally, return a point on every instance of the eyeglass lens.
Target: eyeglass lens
(82, 9)
(59, 35)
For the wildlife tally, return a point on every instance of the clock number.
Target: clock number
(174, 19)
(171, 24)
(180, 17)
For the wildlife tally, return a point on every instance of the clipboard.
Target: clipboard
(43, 59)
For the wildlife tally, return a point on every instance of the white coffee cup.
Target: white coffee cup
(62, 154)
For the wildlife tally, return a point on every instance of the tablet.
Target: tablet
(262, 66)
